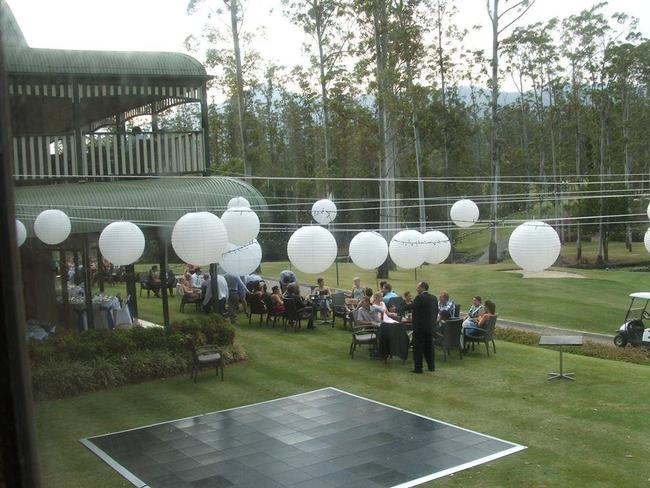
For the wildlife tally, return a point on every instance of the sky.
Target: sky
(163, 25)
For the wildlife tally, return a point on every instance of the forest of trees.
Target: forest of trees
(393, 97)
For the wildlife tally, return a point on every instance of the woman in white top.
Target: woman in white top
(379, 305)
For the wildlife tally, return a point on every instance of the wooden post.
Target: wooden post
(88, 286)
(64, 288)
(204, 127)
(131, 289)
(100, 270)
(76, 124)
(163, 280)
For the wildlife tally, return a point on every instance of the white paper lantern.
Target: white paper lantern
(324, 211)
(646, 240)
(21, 233)
(368, 250)
(464, 213)
(242, 260)
(534, 246)
(199, 238)
(238, 202)
(242, 225)
(407, 249)
(52, 226)
(437, 247)
(122, 243)
(312, 249)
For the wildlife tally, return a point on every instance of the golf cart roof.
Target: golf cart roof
(644, 295)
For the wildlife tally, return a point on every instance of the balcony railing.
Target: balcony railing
(108, 154)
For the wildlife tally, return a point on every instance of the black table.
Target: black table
(560, 341)
(393, 341)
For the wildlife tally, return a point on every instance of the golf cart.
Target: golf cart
(633, 331)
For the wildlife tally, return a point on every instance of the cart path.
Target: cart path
(502, 323)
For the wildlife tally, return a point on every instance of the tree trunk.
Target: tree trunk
(578, 154)
(239, 80)
(323, 88)
(628, 164)
(496, 170)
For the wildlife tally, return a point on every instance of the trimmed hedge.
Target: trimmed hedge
(71, 363)
(636, 355)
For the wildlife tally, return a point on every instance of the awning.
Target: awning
(156, 202)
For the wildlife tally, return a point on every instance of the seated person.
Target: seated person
(286, 278)
(324, 297)
(185, 283)
(357, 291)
(197, 278)
(366, 315)
(477, 327)
(304, 308)
(170, 280)
(276, 300)
(474, 311)
(408, 298)
(154, 280)
(446, 307)
(379, 305)
(388, 292)
(251, 281)
(260, 290)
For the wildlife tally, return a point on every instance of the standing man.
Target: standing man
(425, 313)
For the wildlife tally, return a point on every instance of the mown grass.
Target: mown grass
(596, 303)
(588, 433)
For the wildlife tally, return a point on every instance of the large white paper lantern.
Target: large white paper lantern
(534, 246)
(242, 225)
(122, 243)
(407, 249)
(52, 226)
(238, 202)
(199, 238)
(324, 211)
(21, 233)
(464, 213)
(242, 260)
(312, 249)
(368, 250)
(646, 240)
(437, 247)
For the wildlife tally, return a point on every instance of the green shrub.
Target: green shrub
(206, 329)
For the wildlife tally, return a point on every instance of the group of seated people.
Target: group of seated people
(377, 308)
(156, 281)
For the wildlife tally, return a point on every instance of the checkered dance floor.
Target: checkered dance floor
(323, 438)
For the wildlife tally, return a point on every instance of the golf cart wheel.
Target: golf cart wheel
(620, 340)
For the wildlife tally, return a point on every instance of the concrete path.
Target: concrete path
(503, 323)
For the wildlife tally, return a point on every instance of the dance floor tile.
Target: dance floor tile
(325, 438)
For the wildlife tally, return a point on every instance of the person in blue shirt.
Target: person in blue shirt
(387, 291)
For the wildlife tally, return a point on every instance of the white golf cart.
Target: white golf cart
(633, 331)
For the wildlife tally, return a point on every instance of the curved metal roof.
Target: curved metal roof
(149, 203)
(65, 62)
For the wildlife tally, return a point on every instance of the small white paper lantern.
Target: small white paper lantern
(199, 238)
(21, 233)
(368, 250)
(437, 247)
(324, 211)
(122, 243)
(242, 260)
(242, 225)
(312, 249)
(238, 202)
(646, 240)
(464, 213)
(52, 226)
(407, 249)
(534, 246)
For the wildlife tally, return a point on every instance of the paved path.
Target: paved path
(503, 323)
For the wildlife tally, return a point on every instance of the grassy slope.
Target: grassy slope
(595, 304)
(587, 433)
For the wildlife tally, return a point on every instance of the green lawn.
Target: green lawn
(587, 433)
(597, 303)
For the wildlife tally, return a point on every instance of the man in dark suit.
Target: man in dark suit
(425, 312)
